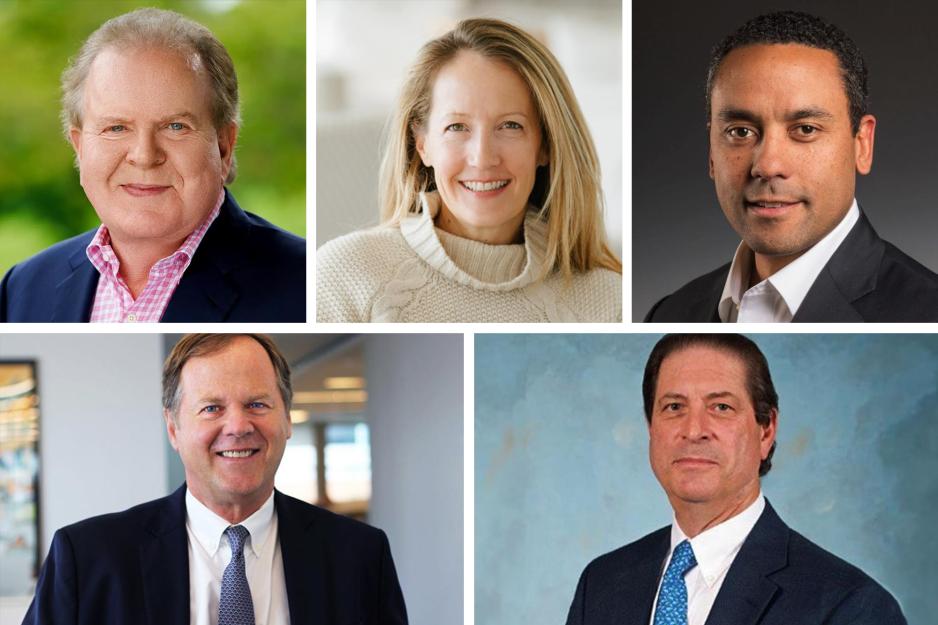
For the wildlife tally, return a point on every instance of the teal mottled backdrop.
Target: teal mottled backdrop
(562, 475)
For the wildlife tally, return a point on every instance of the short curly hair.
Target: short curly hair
(808, 30)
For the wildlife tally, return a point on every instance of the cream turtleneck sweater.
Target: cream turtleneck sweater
(419, 273)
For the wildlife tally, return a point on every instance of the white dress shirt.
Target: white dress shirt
(715, 550)
(210, 553)
(777, 298)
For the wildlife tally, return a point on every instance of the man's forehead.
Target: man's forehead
(155, 79)
(701, 364)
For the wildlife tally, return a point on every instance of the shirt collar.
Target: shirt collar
(208, 527)
(101, 253)
(794, 280)
(716, 547)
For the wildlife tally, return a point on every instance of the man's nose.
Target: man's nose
(483, 151)
(238, 422)
(145, 151)
(695, 425)
(773, 156)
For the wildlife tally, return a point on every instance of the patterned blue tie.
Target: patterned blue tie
(235, 606)
(672, 600)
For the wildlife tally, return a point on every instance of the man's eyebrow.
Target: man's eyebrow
(181, 115)
(809, 113)
(720, 395)
(737, 115)
(667, 396)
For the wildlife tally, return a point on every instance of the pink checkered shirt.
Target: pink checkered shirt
(113, 301)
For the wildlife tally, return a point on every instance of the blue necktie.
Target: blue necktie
(672, 600)
(235, 606)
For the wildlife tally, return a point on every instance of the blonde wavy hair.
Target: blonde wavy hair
(567, 191)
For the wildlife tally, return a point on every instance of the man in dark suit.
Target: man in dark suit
(789, 130)
(150, 106)
(225, 547)
(728, 558)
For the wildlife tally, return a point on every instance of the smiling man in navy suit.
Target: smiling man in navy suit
(151, 108)
(225, 547)
(727, 558)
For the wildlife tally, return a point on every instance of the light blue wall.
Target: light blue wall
(562, 473)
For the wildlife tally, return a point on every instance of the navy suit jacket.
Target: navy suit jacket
(867, 279)
(244, 270)
(778, 578)
(132, 568)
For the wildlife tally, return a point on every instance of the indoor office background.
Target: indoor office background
(562, 473)
(678, 229)
(365, 48)
(103, 445)
(41, 201)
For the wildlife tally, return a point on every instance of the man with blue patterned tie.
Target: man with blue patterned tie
(225, 548)
(727, 558)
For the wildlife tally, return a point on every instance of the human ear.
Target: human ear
(864, 144)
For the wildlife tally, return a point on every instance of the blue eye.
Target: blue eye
(116, 128)
(177, 126)
(513, 126)
(211, 409)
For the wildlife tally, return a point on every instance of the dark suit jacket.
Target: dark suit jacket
(244, 270)
(777, 578)
(867, 279)
(132, 568)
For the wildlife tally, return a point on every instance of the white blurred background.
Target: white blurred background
(364, 48)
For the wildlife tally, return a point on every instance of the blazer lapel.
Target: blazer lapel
(303, 564)
(164, 559)
(850, 274)
(205, 294)
(747, 589)
(74, 295)
(640, 584)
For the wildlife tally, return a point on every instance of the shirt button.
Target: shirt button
(131, 318)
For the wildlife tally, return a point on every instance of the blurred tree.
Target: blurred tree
(41, 201)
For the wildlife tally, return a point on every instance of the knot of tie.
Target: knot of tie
(236, 537)
(683, 558)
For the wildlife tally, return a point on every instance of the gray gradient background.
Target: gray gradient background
(562, 473)
(678, 229)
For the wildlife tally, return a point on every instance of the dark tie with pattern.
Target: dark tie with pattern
(672, 600)
(235, 606)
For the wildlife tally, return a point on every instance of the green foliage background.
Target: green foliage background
(41, 201)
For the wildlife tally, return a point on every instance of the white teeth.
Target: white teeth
(237, 454)
(472, 185)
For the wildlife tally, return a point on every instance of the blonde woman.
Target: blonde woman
(491, 204)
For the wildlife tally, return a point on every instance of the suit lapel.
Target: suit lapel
(850, 274)
(205, 293)
(303, 564)
(164, 558)
(640, 584)
(748, 589)
(75, 294)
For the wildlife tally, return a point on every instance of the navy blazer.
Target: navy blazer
(244, 270)
(866, 279)
(778, 577)
(132, 567)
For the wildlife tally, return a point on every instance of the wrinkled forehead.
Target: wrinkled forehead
(150, 80)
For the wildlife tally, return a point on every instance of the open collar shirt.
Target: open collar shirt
(715, 549)
(778, 297)
(113, 301)
(210, 553)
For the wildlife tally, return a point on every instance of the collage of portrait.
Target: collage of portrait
(445, 285)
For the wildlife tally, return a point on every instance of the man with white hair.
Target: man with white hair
(150, 106)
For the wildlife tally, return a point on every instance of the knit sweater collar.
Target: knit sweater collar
(478, 265)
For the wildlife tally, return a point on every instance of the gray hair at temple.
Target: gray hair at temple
(162, 29)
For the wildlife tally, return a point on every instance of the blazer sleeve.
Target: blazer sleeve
(5, 296)
(56, 601)
(869, 604)
(392, 610)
